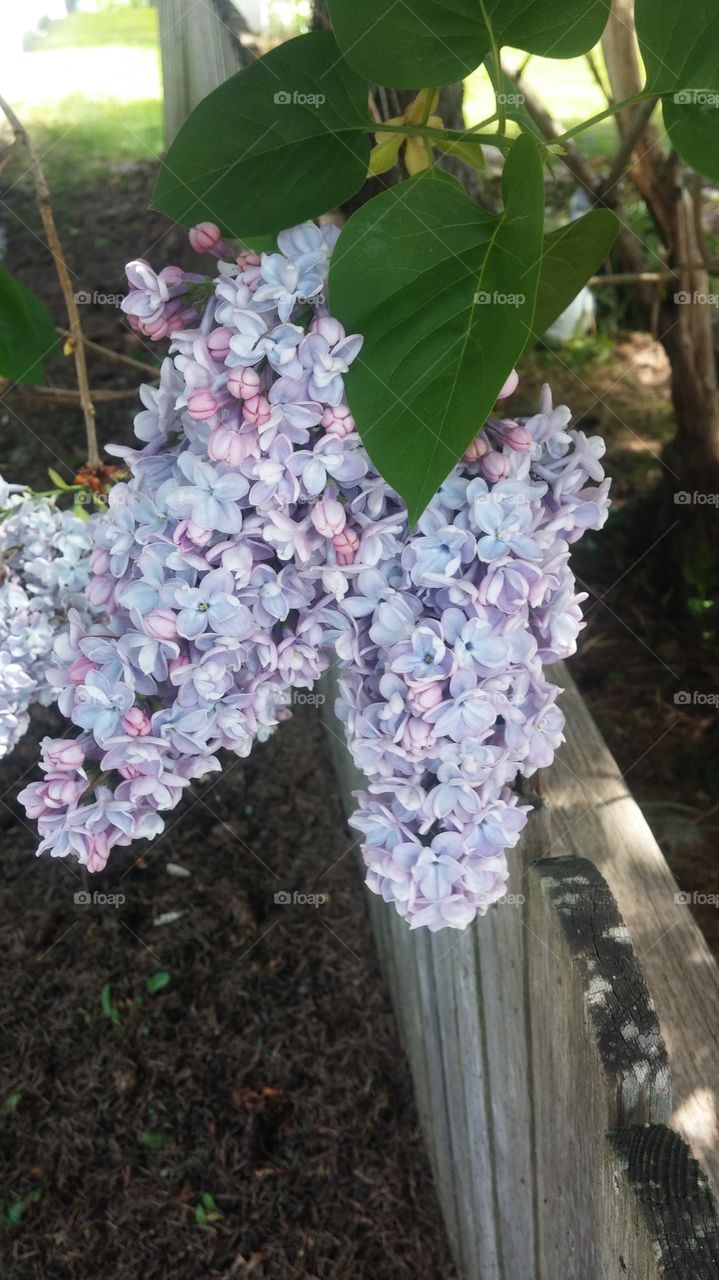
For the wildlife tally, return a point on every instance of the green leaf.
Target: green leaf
(471, 155)
(571, 255)
(694, 130)
(155, 1141)
(284, 140)
(261, 244)
(680, 47)
(12, 1102)
(108, 1008)
(444, 294)
(679, 44)
(415, 44)
(27, 333)
(157, 981)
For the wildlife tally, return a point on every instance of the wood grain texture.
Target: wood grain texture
(597, 1062)
(199, 52)
(674, 1199)
(592, 813)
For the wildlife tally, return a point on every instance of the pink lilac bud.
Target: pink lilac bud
(136, 723)
(416, 737)
(207, 238)
(59, 792)
(226, 445)
(218, 343)
(425, 697)
(515, 436)
(161, 624)
(476, 450)
(509, 386)
(99, 592)
(243, 384)
(257, 410)
(329, 517)
(63, 753)
(248, 259)
(346, 545)
(329, 328)
(186, 530)
(173, 276)
(494, 466)
(98, 852)
(338, 421)
(79, 669)
(99, 561)
(202, 404)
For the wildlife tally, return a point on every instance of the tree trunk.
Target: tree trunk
(685, 321)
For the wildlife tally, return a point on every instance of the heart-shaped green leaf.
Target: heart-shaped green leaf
(27, 333)
(412, 44)
(284, 140)
(571, 255)
(444, 294)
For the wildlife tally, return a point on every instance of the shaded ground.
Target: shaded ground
(263, 1084)
(254, 1116)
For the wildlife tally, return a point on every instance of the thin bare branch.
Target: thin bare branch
(118, 356)
(42, 194)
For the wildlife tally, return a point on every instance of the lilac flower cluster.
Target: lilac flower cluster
(443, 699)
(254, 541)
(44, 570)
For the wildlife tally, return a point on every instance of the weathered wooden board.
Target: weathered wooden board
(199, 51)
(591, 813)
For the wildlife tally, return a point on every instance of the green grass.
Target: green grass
(136, 27)
(81, 140)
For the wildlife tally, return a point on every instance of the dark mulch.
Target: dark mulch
(266, 1074)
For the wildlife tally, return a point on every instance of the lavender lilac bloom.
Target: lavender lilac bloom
(44, 570)
(254, 542)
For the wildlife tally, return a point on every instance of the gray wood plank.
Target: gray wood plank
(592, 814)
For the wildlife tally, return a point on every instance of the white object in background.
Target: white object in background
(576, 320)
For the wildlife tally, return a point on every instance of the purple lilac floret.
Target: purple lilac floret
(44, 570)
(254, 543)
